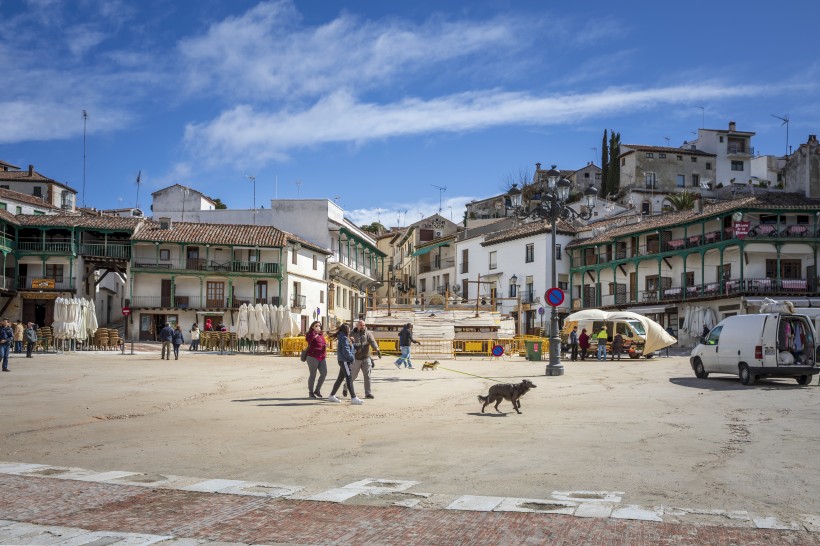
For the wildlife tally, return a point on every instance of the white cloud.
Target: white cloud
(404, 214)
(248, 133)
(265, 53)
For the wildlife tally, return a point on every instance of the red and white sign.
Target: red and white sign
(126, 311)
(742, 229)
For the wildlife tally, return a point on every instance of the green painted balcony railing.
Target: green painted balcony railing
(121, 252)
(41, 247)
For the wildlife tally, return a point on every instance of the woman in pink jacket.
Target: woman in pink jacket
(316, 358)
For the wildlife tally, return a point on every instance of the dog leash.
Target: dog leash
(472, 374)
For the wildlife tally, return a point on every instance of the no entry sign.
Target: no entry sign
(554, 297)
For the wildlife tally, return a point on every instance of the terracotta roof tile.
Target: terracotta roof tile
(23, 176)
(762, 203)
(220, 234)
(527, 230)
(26, 198)
(6, 216)
(76, 220)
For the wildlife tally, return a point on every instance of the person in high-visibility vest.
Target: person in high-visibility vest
(602, 337)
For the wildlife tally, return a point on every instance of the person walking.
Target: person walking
(583, 342)
(363, 341)
(602, 338)
(573, 343)
(617, 345)
(30, 335)
(19, 330)
(316, 358)
(345, 356)
(6, 339)
(166, 335)
(405, 339)
(177, 339)
(194, 338)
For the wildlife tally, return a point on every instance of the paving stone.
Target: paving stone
(340, 494)
(212, 486)
(536, 505)
(105, 476)
(19, 468)
(382, 484)
(633, 511)
(771, 522)
(588, 496)
(810, 522)
(593, 510)
(475, 503)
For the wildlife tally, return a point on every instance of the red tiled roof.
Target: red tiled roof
(526, 230)
(25, 198)
(23, 176)
(220, 234)
(763, 203)
(76, 220)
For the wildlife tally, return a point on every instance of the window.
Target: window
(315, 262)
(661, 155)
(321, 296)
(695, 180)
(215, 294)
(789, 269)
(293, 256)
(37, 191)
(19, 209)
(529, 253)
(260, 292)
(708, 166)
(802, 219)
(650, 155)
(493, 261)
(557, 252)
(623, 161)
(513, 291)
(3, 206)
(694, 159)
(54, 271)
(529, 290)
(586, 175)
(737, 165)
(38, 213)
(680, 158)
(4, 186)
(465, 289)
(422, 285)
(650, 181)
(720, 138)
(465, 267)
(681, 181)
(165, 254)
(646, 208)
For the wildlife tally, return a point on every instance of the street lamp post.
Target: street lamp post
(514, 282)
(553, 206)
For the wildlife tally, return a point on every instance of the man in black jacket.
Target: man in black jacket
(165, 336)
(405, 339)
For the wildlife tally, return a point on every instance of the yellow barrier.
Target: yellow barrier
(435, 347)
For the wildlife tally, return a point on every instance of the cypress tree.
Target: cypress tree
(613, 182)
(602, 191)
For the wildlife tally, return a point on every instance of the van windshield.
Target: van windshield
(638, 327)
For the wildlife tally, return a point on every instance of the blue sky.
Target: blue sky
(378, 104)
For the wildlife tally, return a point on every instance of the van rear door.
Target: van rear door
(769, 341)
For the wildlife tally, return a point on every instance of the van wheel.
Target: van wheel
(803, 379)
(746, 375)
(700, 371)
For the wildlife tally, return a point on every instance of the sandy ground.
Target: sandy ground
(647, 428)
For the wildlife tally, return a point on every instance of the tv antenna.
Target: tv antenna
(298, 186)
(253, 179)
(667, 140)
(702, 115)
(441, 189)
(139, 179)
(595, 149)
(785, 120)
(85, 123)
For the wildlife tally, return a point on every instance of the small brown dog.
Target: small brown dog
(506, 391)
(430, 365)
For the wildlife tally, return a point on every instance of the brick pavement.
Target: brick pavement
(196, 518)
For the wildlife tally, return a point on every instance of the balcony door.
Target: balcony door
(215, 294)
(260, 292)
(193, 260)
(165, 293)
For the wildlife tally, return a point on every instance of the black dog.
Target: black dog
(506, 391)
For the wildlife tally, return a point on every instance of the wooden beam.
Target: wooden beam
(6, 305)
(107, 271)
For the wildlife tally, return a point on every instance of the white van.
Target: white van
(762, 345)
(631, 330)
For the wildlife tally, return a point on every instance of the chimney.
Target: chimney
(537, 167)
(164, 223)
(812, 138)
(31, 170)
(732, 126)
(698, 204)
